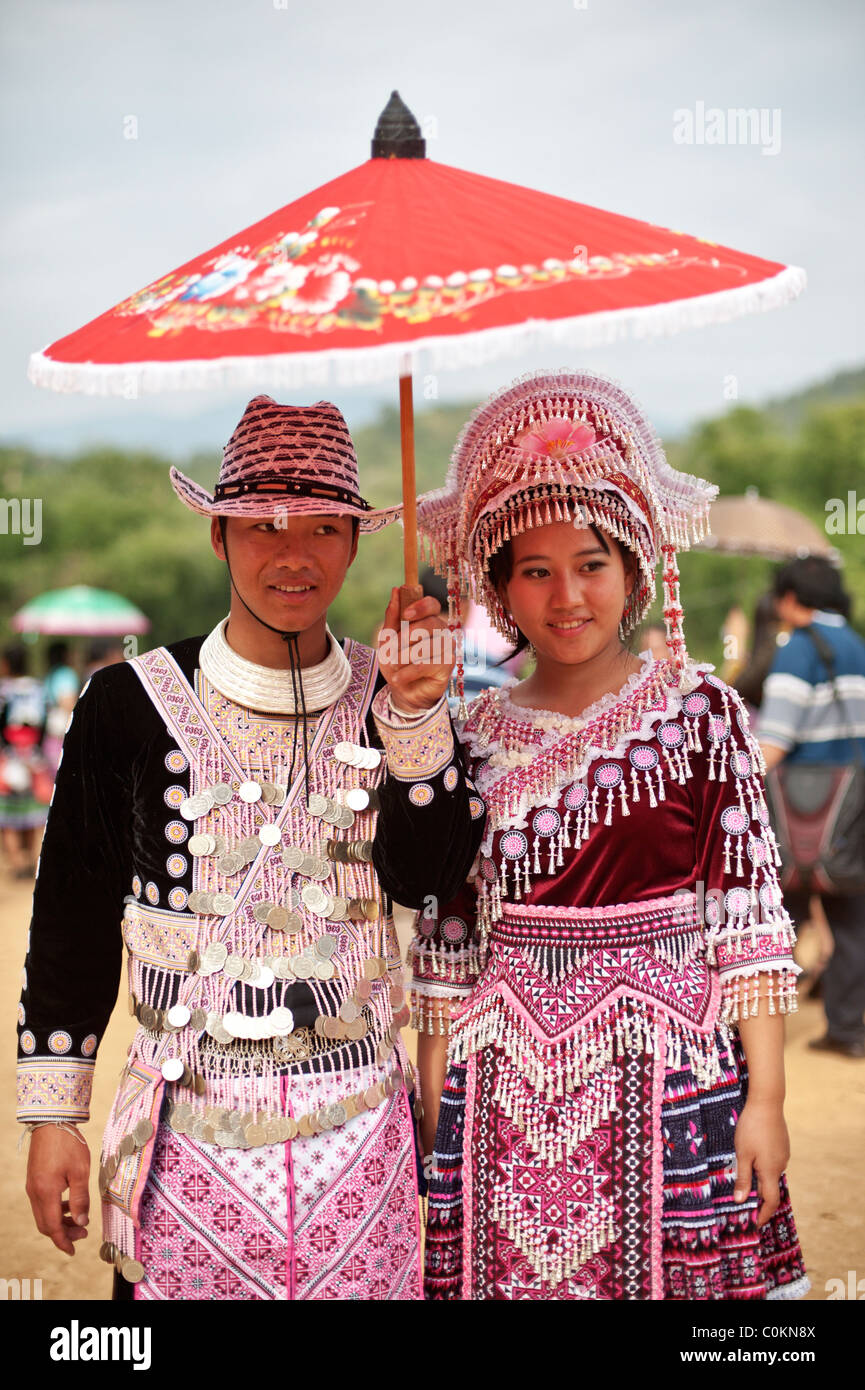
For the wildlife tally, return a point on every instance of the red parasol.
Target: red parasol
(398, 255)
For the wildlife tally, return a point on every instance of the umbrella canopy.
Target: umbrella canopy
(754, 525)
(80, 611)
(402, 254)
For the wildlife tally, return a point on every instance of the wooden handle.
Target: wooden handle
(408, 593)
(409, 501)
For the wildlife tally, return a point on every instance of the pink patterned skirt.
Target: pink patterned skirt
(332, 1216)
(585, 1145)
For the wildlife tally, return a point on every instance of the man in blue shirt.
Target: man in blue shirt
(800, 720)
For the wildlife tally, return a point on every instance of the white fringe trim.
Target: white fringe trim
(785, 1293)
(359, 366)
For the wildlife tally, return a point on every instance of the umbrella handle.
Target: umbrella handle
(409, 500)
(409, 593)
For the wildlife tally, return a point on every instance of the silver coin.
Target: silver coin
(261, 910)
(231, 862)
(249, 847)
(323, 1117)
(197, 1019)
(336, 1113)
(349, 1011)
(178, 1015)
(220, 844)
(201, 844)
(338, 909)
(344, 752)
(199, 901)
(249, 971)
(372, 757)
(275, 916)
(307, 865)
(221, 793)
(237, 1024)
(223, 903)
(317, 804)
(194, 806)
(345, 819)
(292, 857)
(268, 793)
(357, 799)
(279, 795)
(249, 792)
(282, 968)
(314, 897)
(303, 967)
(324, 970)
(294, 924)
(325, 946)
(270, 834)
(234, 966)
(215, 954)
(333, 815)
(265, 977)
(281, 1020)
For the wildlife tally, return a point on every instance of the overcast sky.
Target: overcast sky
(243, 105)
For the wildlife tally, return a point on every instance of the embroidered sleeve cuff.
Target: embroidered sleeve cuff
(742, 992)
(53, 1088)
(414, 748)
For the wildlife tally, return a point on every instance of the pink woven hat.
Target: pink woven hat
(286, 458)
(564, 446)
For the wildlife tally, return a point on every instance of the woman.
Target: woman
(621, 959)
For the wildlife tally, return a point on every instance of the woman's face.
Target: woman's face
(566, 593)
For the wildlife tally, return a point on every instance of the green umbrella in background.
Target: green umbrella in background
(80, 612)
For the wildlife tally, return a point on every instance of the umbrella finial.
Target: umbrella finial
(397, 134)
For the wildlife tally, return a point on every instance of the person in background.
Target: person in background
(655, 638)
(768, 634)
(61, 692)
(23, 786)
(757, 663)
(799, 720)
(106, 651)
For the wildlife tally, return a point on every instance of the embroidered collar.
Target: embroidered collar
(551, 719)
(527, 756)
(268, 688)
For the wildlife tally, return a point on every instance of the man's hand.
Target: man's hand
(59, 1161)
(416, 667)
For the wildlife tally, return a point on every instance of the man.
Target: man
(215, 809)
(801, 721)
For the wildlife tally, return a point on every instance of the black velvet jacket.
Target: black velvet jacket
(108, 835)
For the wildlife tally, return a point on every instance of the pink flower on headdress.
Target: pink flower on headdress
(557, 439)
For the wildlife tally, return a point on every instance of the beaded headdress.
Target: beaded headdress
(286, 458)
(564, 446)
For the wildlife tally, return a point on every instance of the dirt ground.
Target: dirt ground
(825, 1113)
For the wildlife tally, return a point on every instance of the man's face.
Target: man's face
(288, 568)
